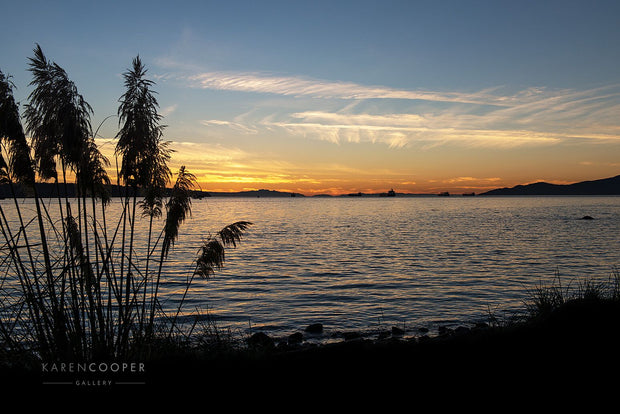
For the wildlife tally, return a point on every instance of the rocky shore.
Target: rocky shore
(575, 346)
(572, 348)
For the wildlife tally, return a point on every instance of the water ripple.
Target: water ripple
(350, 263)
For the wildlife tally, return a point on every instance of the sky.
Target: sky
(335, 97)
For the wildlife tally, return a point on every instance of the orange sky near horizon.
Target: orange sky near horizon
(369, 168)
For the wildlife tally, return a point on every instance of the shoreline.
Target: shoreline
(575, 345)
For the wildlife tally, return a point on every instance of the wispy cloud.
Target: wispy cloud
(324, 89)
(398, 136)
(538, 118)
(464, 183)
(490, 117)
(168, 110)
(599, 163)
(398, 130)
(460, 180)
(234, 125)
(190, 152)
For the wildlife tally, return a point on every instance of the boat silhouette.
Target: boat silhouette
(390, 193)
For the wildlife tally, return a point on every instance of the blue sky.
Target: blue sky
(341, 96)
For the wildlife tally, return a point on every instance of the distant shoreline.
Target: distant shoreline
(602, 187)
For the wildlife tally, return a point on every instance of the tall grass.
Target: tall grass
(72, 283)
(546, 298)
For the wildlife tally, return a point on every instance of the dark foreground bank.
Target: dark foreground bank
(575, 347)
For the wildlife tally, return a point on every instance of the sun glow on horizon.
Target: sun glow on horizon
(219, 168)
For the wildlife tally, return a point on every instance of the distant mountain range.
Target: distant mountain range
(605, 186)
(51, 190)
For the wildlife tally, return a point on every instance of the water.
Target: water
(366, 264)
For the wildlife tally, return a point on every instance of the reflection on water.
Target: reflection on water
(359, 263)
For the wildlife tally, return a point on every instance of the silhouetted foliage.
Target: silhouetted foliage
(178, 207)
(158, 180)
(212, 251)
(78, 292)
(12, 133)
(57, 117)
(140, 134)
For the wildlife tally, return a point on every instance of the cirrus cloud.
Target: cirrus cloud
(323, 89)
(491, 117)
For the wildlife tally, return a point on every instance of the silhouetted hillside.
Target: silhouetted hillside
(69, 190)
(606, 186)
(51, 190)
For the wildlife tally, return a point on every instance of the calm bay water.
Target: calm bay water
(371, 263)
(367, 264)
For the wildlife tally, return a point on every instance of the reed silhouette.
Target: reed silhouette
(73, 288)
